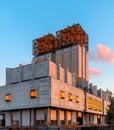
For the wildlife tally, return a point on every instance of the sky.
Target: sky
(22, 21)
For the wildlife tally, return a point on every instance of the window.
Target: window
(33, 93)
(95, 104)
(90, 103)
(70, 97)
(77, 99)
(62, 94)
(8, 97)
(99, 106)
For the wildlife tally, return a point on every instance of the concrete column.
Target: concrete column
(20, 118)
(74, 79)
(8, 118)
(66, 117)
(11, 117)
(34, 111)
(104, 119)
(95, 119)
(84, 118)
(32, 117)
(101, 119)
(87, 118)
(58, 117)
(48, 116)
(74, 117)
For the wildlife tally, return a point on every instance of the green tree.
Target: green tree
(110, 114)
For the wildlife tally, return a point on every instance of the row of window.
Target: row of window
(69, 96)
(33, 94)
(94, 104)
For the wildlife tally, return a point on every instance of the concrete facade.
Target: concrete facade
(49, 79)
(54, 89)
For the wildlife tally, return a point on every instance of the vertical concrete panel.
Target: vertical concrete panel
(16, 75)
(83, 62)
(91, 118)
(67, 58)
(69, 117)
(87, 118)
(41, 69)
(87, 70)
(52, 69)
(16, 116)
(84, 119)
(59, 57)
(74, 59)
(27, 72)
(32, 117)
(62, 115)
(65, 116)
(79, 74)
(95, 119)
(53, 114)
(62, 74)
(48, 115)
(74, 117)
(8, 119)
(8, 76)
(40, 114)
(25, 118)
(69, 77)
(58, 117)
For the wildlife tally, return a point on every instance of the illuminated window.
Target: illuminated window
(8, 97)
(99, 106)
(77, 99)
(90, 103)
(95, 104)
(62, 94)
(33, 93)
(70, 97)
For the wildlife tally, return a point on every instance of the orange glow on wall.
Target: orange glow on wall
(8, 97)
(70, 97)
(62, 94)
(79, 114)
(33, 93)
(77, 99)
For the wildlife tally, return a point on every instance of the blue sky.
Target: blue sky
(21, 21)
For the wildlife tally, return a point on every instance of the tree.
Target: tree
(110, 114)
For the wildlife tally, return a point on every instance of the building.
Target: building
(69, 48)
(53, 89)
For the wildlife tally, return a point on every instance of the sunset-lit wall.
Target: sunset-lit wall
(54, 88)
(77, 100)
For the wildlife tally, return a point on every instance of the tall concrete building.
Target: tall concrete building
(47, 91)
(69, 48)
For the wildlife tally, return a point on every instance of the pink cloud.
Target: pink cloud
(94, 72)
(102, 54)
